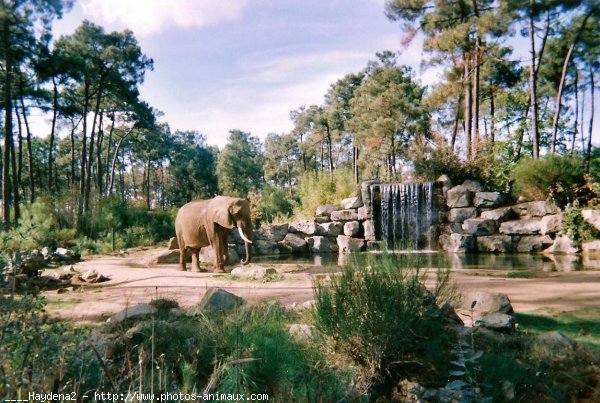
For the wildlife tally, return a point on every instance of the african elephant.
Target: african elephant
(207, 222)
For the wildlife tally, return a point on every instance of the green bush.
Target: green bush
(379, 313)
(318, 188)
(270, 205)
(560, 179)
(577, 227)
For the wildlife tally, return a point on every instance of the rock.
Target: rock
(551, 224)
(498, 321)
(293, 243)
(562, 244)
(321, 244)
(135, 333)
(253, 272)
(132, 312)
(458, 243)
(459, 196)
(451, 228)
(46, 252)
(592, 217)
(301, 331)
(348, 244)
(265, 247)
(321, 220)
(63, 252)
(364, 213)
(369, 230)
(330, 229)
(351, 228)
(556, 339)
(365, 191)
(536, 209)
(173, 244)
(473, 185)
(305, 227)
(325, 210)
(591, 247)
(93, 277)
(216, 300)
(449, 315)
(344, 215)
(351, 203)
(207, 255)
(272, 232)
(167, 256)
(521, 227)
(475, 305)
(533, 243)
(490, 199)
(495, 244)
(479, 226)
(500, 214)
(459, 215)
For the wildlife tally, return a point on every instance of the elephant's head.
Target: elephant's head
(235, 212)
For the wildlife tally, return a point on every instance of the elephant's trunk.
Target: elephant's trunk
(248, 254)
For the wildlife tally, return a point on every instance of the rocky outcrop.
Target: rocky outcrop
(475, 306)
(348, 244)
(321, 244)
(345, 215)
(459, 196)
(216, 300)
(293, 243)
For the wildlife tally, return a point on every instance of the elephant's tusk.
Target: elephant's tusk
(243, 236)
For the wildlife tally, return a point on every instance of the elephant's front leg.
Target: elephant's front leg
(217, 250)
(196, 260)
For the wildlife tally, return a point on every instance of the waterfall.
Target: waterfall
(405, 213)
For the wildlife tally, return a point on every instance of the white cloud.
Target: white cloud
(147, 17)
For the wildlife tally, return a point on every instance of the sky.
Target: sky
(245, 64)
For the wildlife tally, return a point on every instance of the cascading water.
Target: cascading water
(406, 213)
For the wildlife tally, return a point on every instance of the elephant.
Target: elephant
(202, 223)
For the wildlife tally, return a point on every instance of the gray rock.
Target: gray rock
(459, 196)
(301, 331)
(365, 191)
(500, 214)
(294, 244)
(216, 300)
(459, 215)
(345, 215)
(330, 229)
(556, 339)
(264, 247)
(551, 224)
(475, 305)
(93, 277)
(495, 244)
(325, 210)
(348, 244)
(521, 227)
(458, 243)
(369, 230)
(536, 209)
(272, 232)
(173, 244)
(473, 185)
(131, 312)
(562, 244)
(167, 256)
(351, 228)
(207, 255)
(451, 228)
(490, 199)
(351, 203)
(498, 321)
(253, 272)
(304, 226)
(479, 226)
(592, 217)
(591, 247)
(321, 244)
(533, 243)
(364, 213)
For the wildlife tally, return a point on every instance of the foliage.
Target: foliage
(317, 188)
(379, 313)
(559, 178)
(239, 168)
(578, 229)
(269, 205)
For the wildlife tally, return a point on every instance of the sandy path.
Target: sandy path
(133, 282)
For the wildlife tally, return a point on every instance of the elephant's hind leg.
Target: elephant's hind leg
(196, 260)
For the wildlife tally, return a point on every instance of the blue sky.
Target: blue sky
(245, 64)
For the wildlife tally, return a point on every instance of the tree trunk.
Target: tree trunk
(51, 184)
(89, 175)
(15, 187)
(468, 105)
(329, 151)
(29, 154)
(476, 134)
(99, 166)
(535, 136)
(83, 170)
(492, 118)
(456, 121)
(73, 153)
(19, 181)
(561, 86)
(576, 112)
(108, 147)
(6, 180)
(114, 161)
(591, 125)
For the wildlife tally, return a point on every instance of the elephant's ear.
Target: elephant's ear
(221, 215)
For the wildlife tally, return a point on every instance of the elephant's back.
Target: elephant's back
(190, 212)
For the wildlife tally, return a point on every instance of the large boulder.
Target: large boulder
(592, 217)
(591, 248)
(216, 300)
(351, 228)
(479, 226)
(495, 244)
(293, 243)
(351, 203)
(533, 243)
(349, 244)
(459, 196)
(473, 185)
(364, 213)
(307, 227)
(330, 229)
(500, 214)
(325, 210)
(365, 191)
(536, 208)
(521, 227)
(551, 224)
(272, 232)
(345, 215)
(173, 244)
(321, 244)
(207, 255)
(369, 230)
(131, 312)
(458, 243)
(498, 321)
(459, 215)
(490, 199)
(563, 244)
(167, 256)
(253, 272)
(265, 247)
(476, 305)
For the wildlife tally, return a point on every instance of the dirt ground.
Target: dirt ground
(133, 281)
